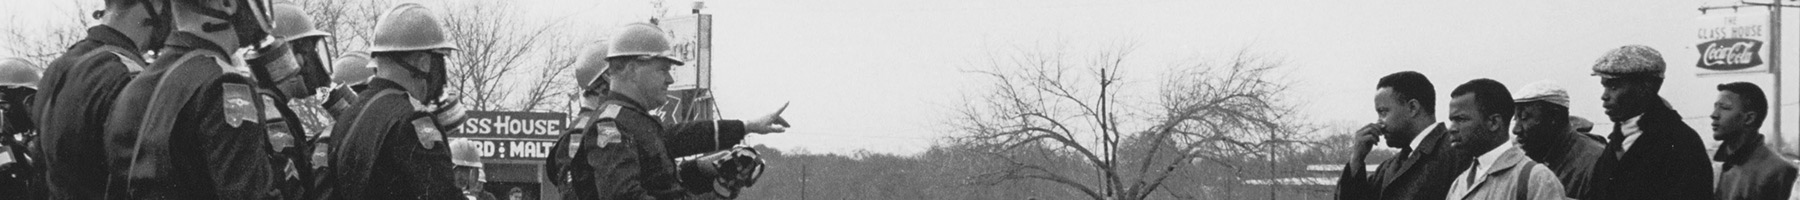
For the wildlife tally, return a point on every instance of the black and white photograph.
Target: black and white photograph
(899, 99)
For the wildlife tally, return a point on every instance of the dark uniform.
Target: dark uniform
(388, 149)
(625, 153)
(198, 127)
(72, 104)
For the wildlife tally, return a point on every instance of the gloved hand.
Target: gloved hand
(770, 123)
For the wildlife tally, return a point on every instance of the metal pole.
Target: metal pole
(1775, 66)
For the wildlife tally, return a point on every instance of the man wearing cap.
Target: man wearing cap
(1544, 131)
(1750, 170)
(1650, 153)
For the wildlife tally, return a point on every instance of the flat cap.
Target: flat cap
(1630, 61)
(1546, 91)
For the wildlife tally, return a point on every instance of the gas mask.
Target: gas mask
(433, 72)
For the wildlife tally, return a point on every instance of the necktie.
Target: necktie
(1615, 144)
(1468, 185)
(1474, 168)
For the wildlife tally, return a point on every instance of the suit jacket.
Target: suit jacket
(1502, 180)
(1753, 171)
(1425, 174)
(1667, 162)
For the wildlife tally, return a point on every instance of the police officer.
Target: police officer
(350, 75)
(587, 75)
(391, 146)
(469, 173)
(290, 84)
(625, 153)
(77, 92)
(195, 115)
(18, 170)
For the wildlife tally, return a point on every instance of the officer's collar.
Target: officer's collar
(378, 84)
(112, 37)
(625, 101)
(195, 42)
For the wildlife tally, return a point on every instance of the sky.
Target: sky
(883, 76)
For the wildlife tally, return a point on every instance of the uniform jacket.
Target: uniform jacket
(73, 99)
(1571, 155)
(1426, 174)
(625, 153)
(1753, 171)
(387, 149)
(1504, 179)
(1667, 162)
(201, 134)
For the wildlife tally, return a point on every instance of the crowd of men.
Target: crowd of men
(1648, 153)
(237, 99)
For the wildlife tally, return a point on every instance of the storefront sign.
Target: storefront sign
(512, 135)
(1733, 42)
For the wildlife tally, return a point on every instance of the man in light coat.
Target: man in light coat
(1479, 112)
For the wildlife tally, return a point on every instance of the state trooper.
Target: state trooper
(470, 175)
(619, 150)
(197, 120)
(392, 145)
(349, 75)
(290, 79)
(77, 92)
(18, 168)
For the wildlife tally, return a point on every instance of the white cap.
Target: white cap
(1546, 91)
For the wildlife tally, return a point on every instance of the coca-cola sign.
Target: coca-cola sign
(1730, 54)
(1731, 42)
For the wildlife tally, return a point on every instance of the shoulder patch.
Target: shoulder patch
(606, 133)
(427, 131)
(237, 102)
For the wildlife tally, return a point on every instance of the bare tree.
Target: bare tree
(349, 22)
(41, 43)
(494, 42)
(1046, 105)
(552, 87)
